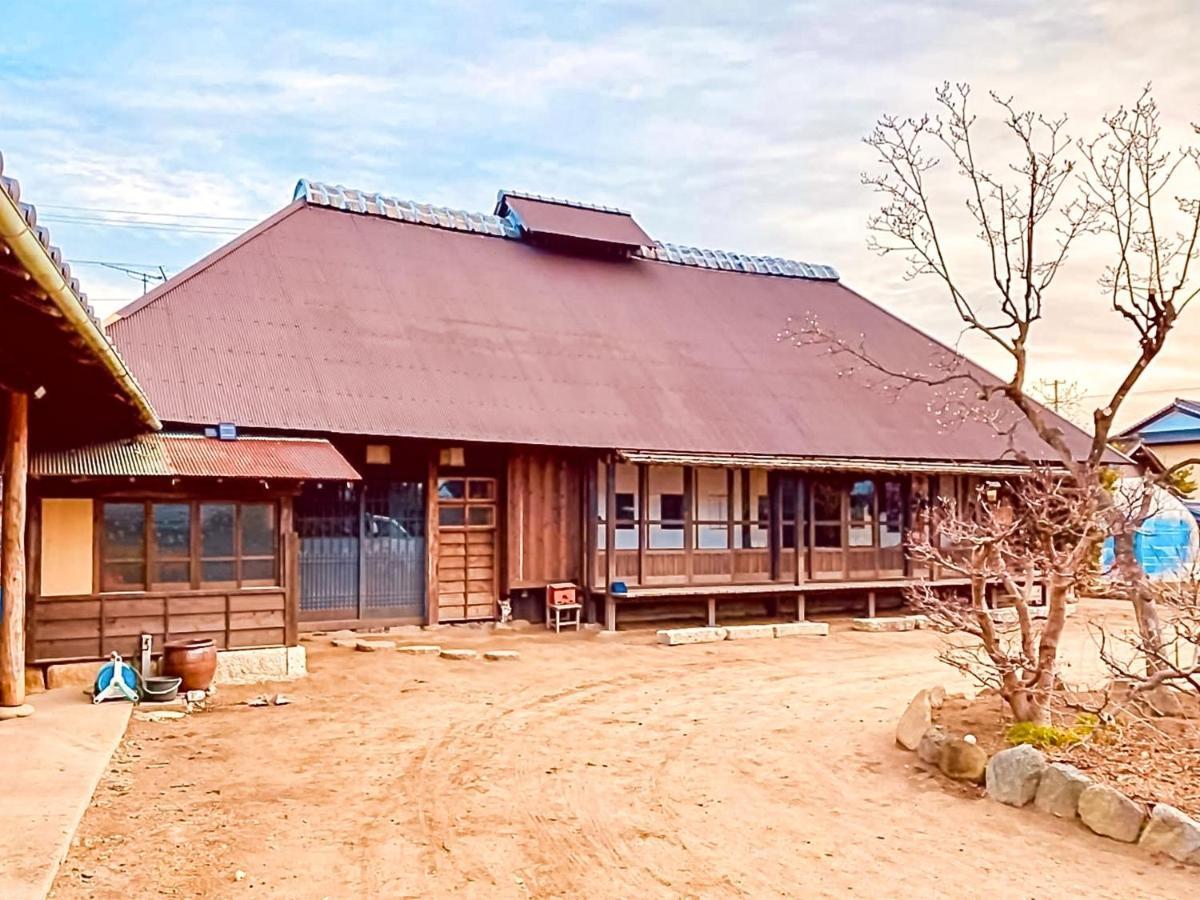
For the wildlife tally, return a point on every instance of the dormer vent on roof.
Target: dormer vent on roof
(572, 226)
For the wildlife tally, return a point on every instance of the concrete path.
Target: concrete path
(50, 764)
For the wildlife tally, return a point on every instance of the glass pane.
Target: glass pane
(124, 531)
(891, 527)
(124, 576)
(216, 529)
(481, 515)
(862, 514)
(669, 537)
(481, 489)
(258, 570)
(179, 572)
(218, 570)
(258, 529)
(452, 516)
(827, 536)
(712, 495)
(626, 508)
(172, 532)
(712, 537)
(451, 489)
(827, 502)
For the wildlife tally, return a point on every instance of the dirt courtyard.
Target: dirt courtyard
(589, 767)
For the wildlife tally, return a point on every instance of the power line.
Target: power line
(180, 227)
(136, 212)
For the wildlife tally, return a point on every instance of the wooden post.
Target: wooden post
(610, 544)
(798, 527)
(431, 539)
(800, 608)
(712, 612)
(870, 604)
(12, 553)
(689, 520)
(643, 530)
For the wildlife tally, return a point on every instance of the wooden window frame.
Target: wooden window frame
(195, 558)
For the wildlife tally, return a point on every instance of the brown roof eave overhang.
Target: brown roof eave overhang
(825, 463)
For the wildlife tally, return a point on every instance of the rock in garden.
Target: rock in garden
(501, 655)
(1013, 775)
(372, 646)
(1059, 790)
(1107, 811)
(420, 649)
(930, 747)
(915, 721)
(458, 654)
(963, 761)
(1172, 833)
(350, 643)
(1163, 701)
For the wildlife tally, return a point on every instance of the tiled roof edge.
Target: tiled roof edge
(350, 200)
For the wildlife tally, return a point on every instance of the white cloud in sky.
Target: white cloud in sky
(727, 126)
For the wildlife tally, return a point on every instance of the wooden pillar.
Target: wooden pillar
(689, 520)
(712, 611)
(800, 608)
(431, 539)
(730, 523)
(775, 499)
(643, 529)
(590, 523)
(12, 553)
(610, 545)
(798, 527)
(870, 604)
(290, 563)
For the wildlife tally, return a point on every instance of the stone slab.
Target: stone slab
(749, 632)
(35, 680)
(72, 741)
(346, 643)
(260, 664)
(883, 623)
(420, 649)
(79, 675)
(501, 655)
(365, 646)
(458, 654)
(801, 629)
(675, 637)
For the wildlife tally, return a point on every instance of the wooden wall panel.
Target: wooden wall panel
(544, 540)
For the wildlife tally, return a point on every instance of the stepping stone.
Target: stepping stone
(458, 654)
(795, 629)
(745, 632)
(883, 623)
(372, 646)
(349, 643)
(160, 715)
(15, 712)
(675, 637)
(420, 649)
(501, 655)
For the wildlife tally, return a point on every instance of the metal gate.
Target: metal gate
(362, 551)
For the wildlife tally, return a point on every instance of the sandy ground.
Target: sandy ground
(588, 768)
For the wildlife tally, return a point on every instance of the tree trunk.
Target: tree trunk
(12, 553)
(1144, 607)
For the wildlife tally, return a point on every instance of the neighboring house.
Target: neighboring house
(1171, 436)
(539, 394)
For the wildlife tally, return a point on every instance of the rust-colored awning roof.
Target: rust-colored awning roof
(196, 456)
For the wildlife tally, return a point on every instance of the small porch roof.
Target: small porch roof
(821, 463)
(197, 456)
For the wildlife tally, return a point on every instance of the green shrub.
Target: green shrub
(1050, 737)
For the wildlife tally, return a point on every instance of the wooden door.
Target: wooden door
(468, 549)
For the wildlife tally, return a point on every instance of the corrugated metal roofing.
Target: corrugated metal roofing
(196, 456)
(324, 321)
(544, 216)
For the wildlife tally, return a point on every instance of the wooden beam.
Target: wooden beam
(12, 552)
(610, 544)
(431, 538)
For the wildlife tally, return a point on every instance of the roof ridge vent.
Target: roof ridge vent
(543, 198)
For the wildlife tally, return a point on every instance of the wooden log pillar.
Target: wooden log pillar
(800, 608)
(431, 539)
(610, 545)
(12, 553)
(712, 612)
(870, 604)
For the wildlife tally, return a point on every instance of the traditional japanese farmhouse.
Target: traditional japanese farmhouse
(379, 411)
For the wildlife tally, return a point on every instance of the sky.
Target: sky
(731, 126)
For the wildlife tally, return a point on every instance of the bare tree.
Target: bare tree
(1028, 214)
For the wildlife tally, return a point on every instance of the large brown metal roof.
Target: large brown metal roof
(406, 320)
(196, 456)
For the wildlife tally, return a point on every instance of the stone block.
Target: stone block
(929, 749)
(74, 675)
(674, 637)
(1173, 834)
(373, 646)
(920, 621)
(963, 761)
(1013, 775)
(35, 680)
(1059, 790)
(883, 623)
(501, 655)
(420, 649)
(747, 632)
(915, 721)
(458, 654)
(801, 629)
(260, 664)
(1107, 811)
(347, 643)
